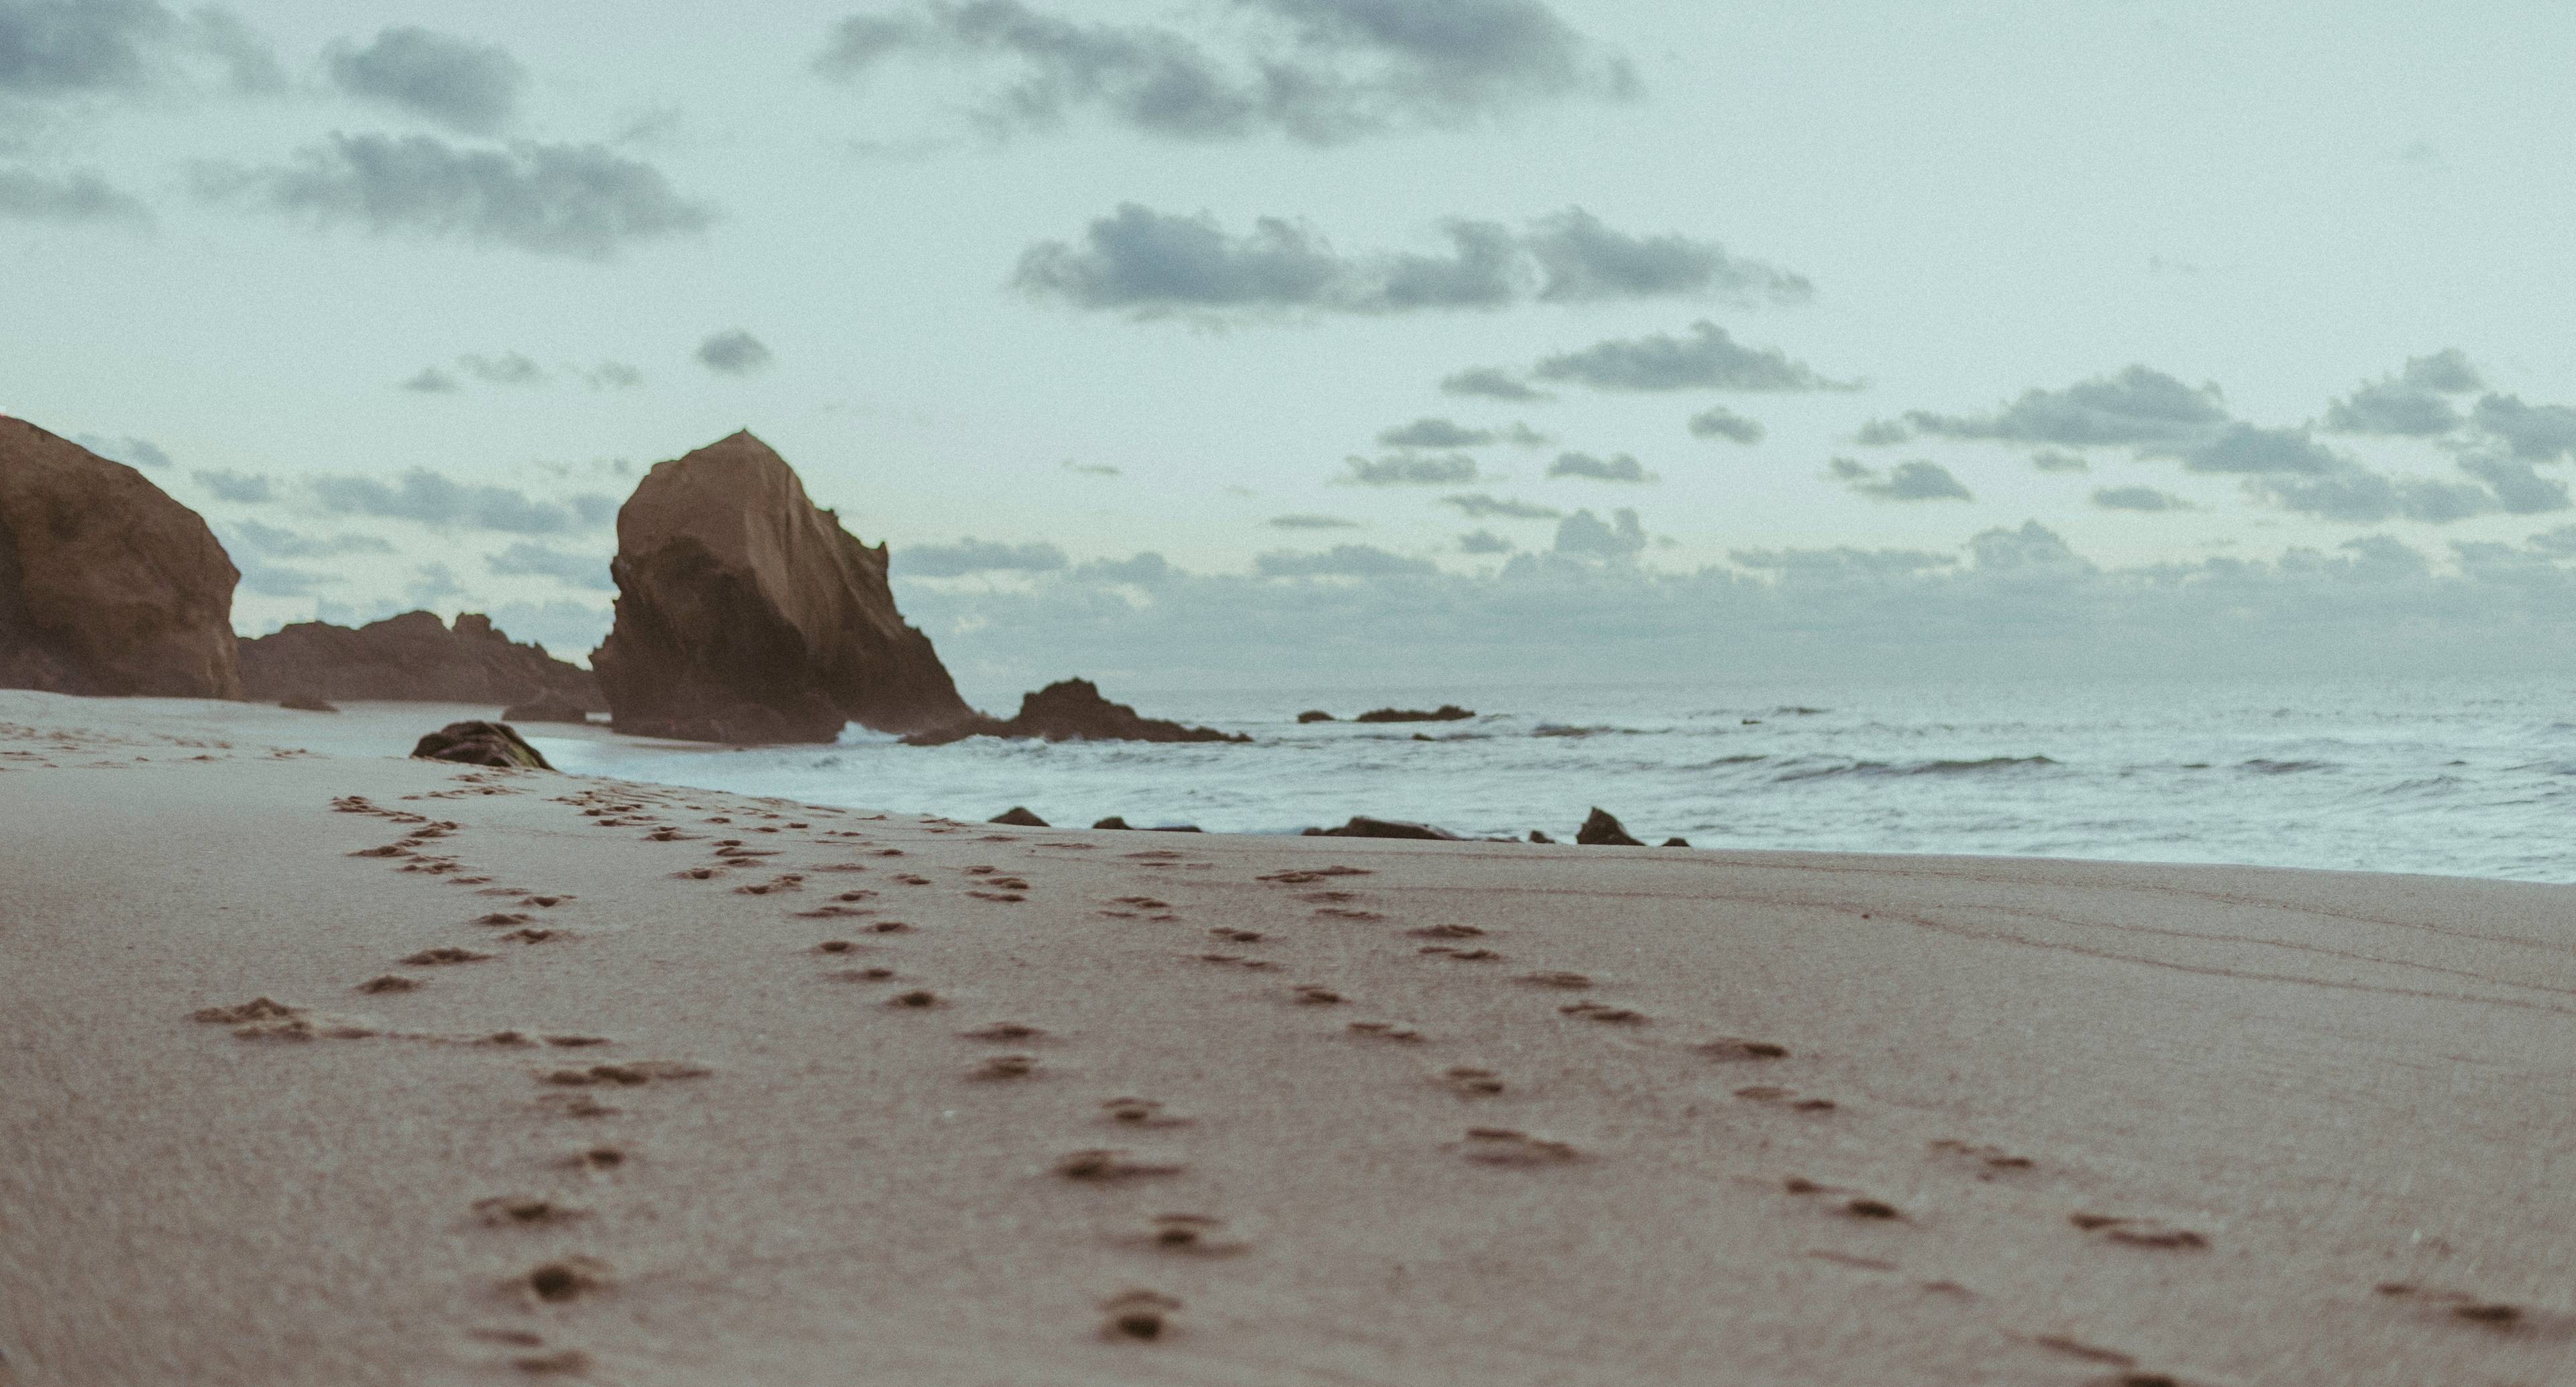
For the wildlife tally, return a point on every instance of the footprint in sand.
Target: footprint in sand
(1508, 1147)
(1569, 981)
(1141, 1112)
(1447, 932)
(1471, 1081)
(565, 1279)
(2137, 1232)
(1302, 876)
(1006, 1067)
(634, 1073)
(1995, 1159)
(524, 1211)
(1109, 1166)
(1730, 1049)
(1605, 1013)
(873, 973)
(1238, 936)
(596, 1158)
(1313, 995)
(1784, 1097)
(1386, 1030)
(2494, 1314)
(444, 954)
(388, 983)
(1339, 912)
(501, 918)
(264, 1019)
(1456, 954)
(918, 999)
(1195, 1235)
(1138, 1314)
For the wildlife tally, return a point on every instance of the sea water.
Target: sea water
(2466, 777)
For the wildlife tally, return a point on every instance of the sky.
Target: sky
(1417, 340)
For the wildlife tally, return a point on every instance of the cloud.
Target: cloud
(1477, 506)
(1491, 382)
(1909, 481)
(430, 499)
(2138, 498)
(1584, 535)
(1318, 71)
(509, 368)
(2540, 433)
(2253, 450)
(277, 542)
(1342, 561)
(613, 375)
(1435, 433)
(734, 353)
(1155, 264)
(1484, 542)
(54, 49)
(1841, 565)
(1145, 570)
(132, 451)
(2054, 460)
(2518, 489)
(1718, 421)
(971, 556)
(1412, 469)
(2354, 495)
(1879, 433)
(245, 488)
(1311, 522)
(1707, 359)
(1619, 467)
(277, 580)
(566, 627)
(1092, 469)
(2447, 371)
(537, 560)
(2392, 408)
(464, 85)
(70, 197)
(2139, 407)
(583, 202)
(431, 381)
(434, 583)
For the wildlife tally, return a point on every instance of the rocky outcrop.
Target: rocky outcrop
(1314, 715)
(481, 744)
(546, 708)
(1446, 712)
(1362, 826)
(747, 614)
(414, 657)
(1072, 710)
(107, 586)
(1018, 816)
(1603, 829)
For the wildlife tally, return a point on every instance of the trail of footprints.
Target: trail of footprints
(1010, 1055)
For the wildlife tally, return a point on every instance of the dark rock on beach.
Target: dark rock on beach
(1675, 843)
(1018, 816)
(1116, 823)
(1602, 829)
(1446, 712)
(481, 744)
(107, 586)
(1316, 715)
(1072, 710)
(414, 657)
(1362, 826)
(745, 613)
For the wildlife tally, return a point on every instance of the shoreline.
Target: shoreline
(1357, 1110)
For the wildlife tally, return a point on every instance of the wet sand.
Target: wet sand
(321, 1066)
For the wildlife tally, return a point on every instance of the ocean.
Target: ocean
(2461, 777)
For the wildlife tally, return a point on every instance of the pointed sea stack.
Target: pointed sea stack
(747, 614)
(107, 586)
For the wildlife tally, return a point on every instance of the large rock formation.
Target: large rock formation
(747, 614)
(414, 656)
(107, 586)
(1072, 710)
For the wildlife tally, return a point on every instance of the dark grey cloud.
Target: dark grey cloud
(972, 556)
(1586, 536)
(67, 197)
(1477, 506)
(132, 451)
(1144, 570)
(1484, 542)
(1619, 467)
(1435, 433)
(509, 368)
(1341, 561)
(1717, 421)
(543, 561)
(281, 543)
(2138, 408)
(2392, 408)
(2254, 450)
(2357, 496)
(735, 353)
(1706, 359)
(613, 375)
(1880, 433)
(1907, 481)
(2055, 460)
(584, 202)
(431, 381)
(459, 83)
(2540, 433)
(434, 583)
(1311, 522)
(53, 49)
(2138, 498)
(1319, 71)
(1412, 469)
(2518, 489)
(1492, 383)
(246, 488)
(428, 498)
(1156, 264)
(2447, 371)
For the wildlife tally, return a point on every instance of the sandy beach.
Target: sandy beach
(326, 1066)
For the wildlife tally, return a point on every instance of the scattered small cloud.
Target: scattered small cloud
(971, 556)
(537, 560)
(1908, 481)
(1435, 433)
(1619, 467)
(1092, 469)
(1705, 359)
(2138, 498)
(1586, 536)
(1484, 542)
(431, 381)
(1412, 469)
(509, 368)
(79, 197)
(428, 498)
(2139, 407)
(1477, 506)
(2539, 433)
(1880, 433)
(278, 542)
(1144, 570)
(2058, 460)
(1311, 522)
(469, 87)
(1341, 561)
(613, 375)
(1493, 383)
(243, 488)
(583, 202)
(1721, 422)
(132, 451)
(733, 353)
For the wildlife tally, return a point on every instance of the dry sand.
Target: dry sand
(879, 1099)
